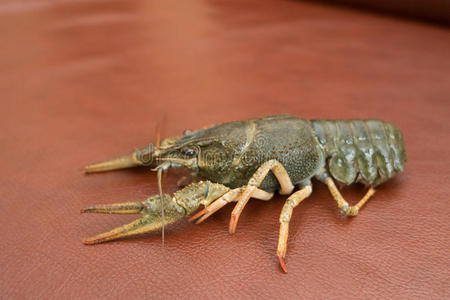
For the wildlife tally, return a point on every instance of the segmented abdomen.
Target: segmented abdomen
(367, 151)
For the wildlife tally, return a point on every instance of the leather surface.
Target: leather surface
(429, 10)
(83, 81)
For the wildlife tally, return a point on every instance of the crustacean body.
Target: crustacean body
(255, 158)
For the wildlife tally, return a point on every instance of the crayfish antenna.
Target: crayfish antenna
(160, 170)
(162, 205)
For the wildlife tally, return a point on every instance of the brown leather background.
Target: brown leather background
(82, 81)
(428, 10)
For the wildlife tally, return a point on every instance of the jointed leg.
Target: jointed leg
(285, 217)
(342, 204)
(280, 173)
(225, 199)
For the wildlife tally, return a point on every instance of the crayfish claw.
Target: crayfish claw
(181, 204)
(139, 226)
(117, 208)
(151, 217)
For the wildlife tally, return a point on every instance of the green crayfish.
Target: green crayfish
(253, 159)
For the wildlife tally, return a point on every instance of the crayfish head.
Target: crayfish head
(209, 151)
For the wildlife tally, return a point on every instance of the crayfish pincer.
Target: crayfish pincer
(253, 159)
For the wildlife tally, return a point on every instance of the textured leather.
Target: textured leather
(83, 81)
(428, 10)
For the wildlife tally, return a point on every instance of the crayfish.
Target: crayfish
(254, 159)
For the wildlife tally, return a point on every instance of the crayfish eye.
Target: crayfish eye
(187, 132)
(189, 152)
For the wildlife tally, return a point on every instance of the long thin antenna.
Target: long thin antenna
(158, 136)
(160, 170)
(158, 127)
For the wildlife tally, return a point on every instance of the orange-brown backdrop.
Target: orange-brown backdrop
(81, 81)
